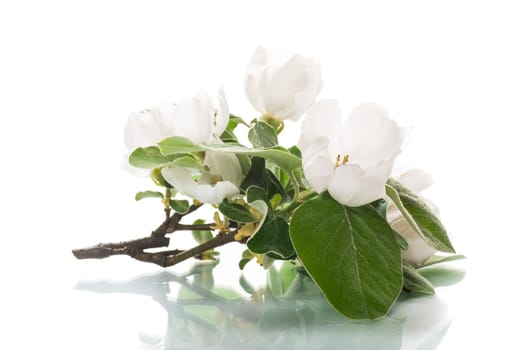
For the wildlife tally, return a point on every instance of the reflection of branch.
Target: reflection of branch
(135, 248)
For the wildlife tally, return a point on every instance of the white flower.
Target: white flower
(282, 89)
(197, 119)
(418, 251)
(352, 161)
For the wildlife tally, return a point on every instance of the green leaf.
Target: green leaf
(352, 255)
(263, 135)
(236, 212)
(148, 194)
(201, 236)
(234, 121)
(288, 272)
(179, 205)
(181, 145)
(419, 216)
(187, 161)
(229, 136)
(272, 237)
(413, 281)
(254, 193)
(256, 176)
(243, 262)
(148, 158)
(438, 259)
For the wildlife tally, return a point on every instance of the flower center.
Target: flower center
(338, 162)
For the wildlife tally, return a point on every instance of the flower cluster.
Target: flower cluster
(329, 204)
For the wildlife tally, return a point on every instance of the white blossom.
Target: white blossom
(282, 88)
(353, 160)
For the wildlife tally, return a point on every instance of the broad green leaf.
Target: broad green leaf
(236, 212)
(272, 237)
(148, 158)
(437, 259)
(263, 135)
(419, 216)
(413, 281)
(148, 194)
(201, 236)
(351, 253)
(179, 205)
(181, 145)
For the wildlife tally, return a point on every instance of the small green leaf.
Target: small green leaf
(254, 193)
(179, 205)
(413, 281)
(148, 194)
(229, 136)
(178, 145)
(201, 236)
(288, 272)
(272, 237)
(148, 158)
(243, 262)
(234, 121)
(419, 216)
(438, 259)
(351, 253)
(236, 212)
(263, 135)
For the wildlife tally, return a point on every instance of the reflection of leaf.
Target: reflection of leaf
(441, 276)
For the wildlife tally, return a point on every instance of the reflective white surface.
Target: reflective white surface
(167, 310)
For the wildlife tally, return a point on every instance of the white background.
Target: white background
(71, 71)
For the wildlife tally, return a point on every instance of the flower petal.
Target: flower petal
(257, 63)
(317, 165)
(148, 127)
(226, 165)
(222, 115)
(194, 117)
(183, 182)
(370, 136)
(322, 120)
(416, 180)
(350, 186)
(418, 251)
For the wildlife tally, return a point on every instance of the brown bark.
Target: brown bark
(157, 239)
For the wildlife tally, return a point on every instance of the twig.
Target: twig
(136, 248)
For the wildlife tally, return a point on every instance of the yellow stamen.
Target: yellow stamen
(338, 162)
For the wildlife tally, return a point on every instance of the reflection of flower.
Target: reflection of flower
(354, 161)
(418, 251)
(282, 89)
(196, 119)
